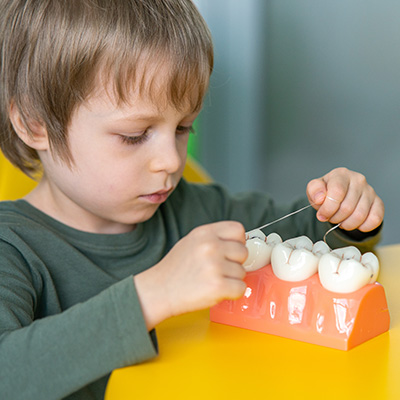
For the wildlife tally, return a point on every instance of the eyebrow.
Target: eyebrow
(137, 117)
(149, 117)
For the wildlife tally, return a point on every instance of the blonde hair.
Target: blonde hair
(52, 52)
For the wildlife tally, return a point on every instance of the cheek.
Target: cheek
(102, 160)
(113, 179)
(182, 146)
(182, 151)
(118, 175)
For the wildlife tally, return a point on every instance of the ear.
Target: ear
(34, 137)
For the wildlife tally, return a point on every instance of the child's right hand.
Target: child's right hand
(202, 269)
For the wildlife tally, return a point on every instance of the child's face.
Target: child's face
(126, 161)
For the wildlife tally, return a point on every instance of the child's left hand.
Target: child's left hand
(344, 196)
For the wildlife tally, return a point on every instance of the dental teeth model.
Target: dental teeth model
(305, 291)
(297, 259)
(260, 249)
(345, 270)
(342, 270)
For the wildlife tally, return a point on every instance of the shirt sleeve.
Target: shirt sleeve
(52, 357)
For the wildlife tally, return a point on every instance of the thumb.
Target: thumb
(316, 191)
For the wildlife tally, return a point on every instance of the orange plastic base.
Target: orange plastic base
(306, 311)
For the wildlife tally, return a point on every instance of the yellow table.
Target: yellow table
(200, 359)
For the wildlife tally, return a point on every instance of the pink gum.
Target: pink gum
(306, 311)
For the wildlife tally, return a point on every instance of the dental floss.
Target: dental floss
(284, 217)
(330, 230)
(293, 213)
(331, 198)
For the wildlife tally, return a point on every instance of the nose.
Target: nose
(168, 157)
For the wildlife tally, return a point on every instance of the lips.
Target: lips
(158, 197)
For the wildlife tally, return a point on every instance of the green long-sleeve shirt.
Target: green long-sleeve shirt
(69, 312)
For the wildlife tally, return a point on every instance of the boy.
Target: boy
(100, 97)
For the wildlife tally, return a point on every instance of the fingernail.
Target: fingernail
(322, 218)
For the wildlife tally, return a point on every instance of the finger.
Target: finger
(233, 270)
(234, 251)
(231, 230)
(353, 209)
(353, 212)
(223, 230)
(337, 190)
(328, 209)
(233, 289)
(375, 216)
(316, 191)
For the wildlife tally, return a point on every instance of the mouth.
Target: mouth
(158, 197)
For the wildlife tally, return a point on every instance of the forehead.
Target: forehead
(137, 103)
(156, 84)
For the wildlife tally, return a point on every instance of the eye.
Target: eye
(142, 137)
(182, 130)
(132, 140)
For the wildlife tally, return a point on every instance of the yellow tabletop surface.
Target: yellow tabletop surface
(202, 359)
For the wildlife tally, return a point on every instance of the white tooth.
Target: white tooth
(320, 248)
(345, 270)
(260, 249)
(348, 253)
(296, 259)
(370, 260)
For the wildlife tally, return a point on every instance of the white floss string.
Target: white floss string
(330, 230)
(293, 213)
(284, 217)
